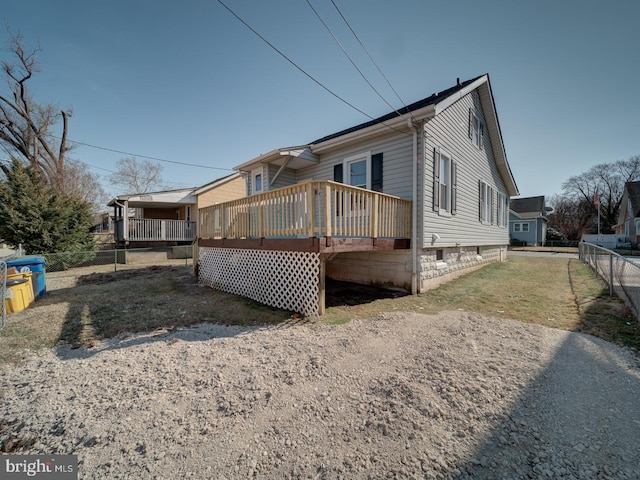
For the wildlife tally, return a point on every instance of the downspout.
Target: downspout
(414, 211)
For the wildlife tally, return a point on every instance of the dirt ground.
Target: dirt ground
(456, 395)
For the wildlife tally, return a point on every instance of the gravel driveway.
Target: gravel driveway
(456, 395)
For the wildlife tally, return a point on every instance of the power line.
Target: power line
(350, 59)
(308, 75)
(141, 156)
(367, 52)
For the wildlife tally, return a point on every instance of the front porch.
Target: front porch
(154, 230)
(154, 219)
(273, 246)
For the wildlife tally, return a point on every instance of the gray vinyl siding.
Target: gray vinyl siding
(450, 130)
(397, 150)
(287, 177)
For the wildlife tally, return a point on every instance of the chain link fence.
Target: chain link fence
(620, 274)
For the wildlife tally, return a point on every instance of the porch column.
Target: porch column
(125, 221)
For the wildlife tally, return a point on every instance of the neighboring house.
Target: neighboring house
(169, 217)
(155, 218)
(221, 190)
(408, 200)
(628, 225)
(528, 220)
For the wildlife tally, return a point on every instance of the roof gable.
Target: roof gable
(633, 189)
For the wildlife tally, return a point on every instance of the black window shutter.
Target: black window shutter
(436, 181)
(337, 173)
(376, 172)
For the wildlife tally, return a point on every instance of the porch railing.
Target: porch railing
(146, 229)
(310, 209)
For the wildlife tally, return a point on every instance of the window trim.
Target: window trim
(476, 126)
(364, 156)
(486, 202)
(503, 209)
(254, 175)
(520, 227)
(452, 176)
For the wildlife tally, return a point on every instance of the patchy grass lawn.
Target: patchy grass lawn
(556, 292)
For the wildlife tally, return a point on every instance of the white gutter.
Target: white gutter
(414, 211)
(360, 134)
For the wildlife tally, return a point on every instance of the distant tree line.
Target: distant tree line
(575, 210)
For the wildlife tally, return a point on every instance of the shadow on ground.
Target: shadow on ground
(131, 307)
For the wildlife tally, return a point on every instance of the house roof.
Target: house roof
(528, 205)
(162, 199)
(400, 120)
(420, 104)
(631, 195)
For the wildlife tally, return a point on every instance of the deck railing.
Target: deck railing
(310, 209)
(146, 229)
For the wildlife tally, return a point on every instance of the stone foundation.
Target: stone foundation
(393, 269)
(442, 265)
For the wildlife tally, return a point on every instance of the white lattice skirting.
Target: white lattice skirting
(287, 280)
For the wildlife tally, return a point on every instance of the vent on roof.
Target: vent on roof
(458, 81)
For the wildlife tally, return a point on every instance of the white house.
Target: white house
(410, 199)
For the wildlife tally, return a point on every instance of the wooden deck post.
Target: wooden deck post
(327, 211)
(321, 286)
(310, 209)
(375, 217)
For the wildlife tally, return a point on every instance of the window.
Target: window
(358, 170)
(503, 203)
(525, 227)
(357, 173)
(257, 181)
(444, 183)
(486, 202)
(476, 129)
(520, 227)
(516, 227)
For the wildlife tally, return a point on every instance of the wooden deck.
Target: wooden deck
(327, 217)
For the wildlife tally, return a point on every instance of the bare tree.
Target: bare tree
(26, 127)
(137, 176)
(607, 180)
(571, 217)
(80, 181)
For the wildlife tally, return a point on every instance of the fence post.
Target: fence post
(610, 274)
(115, 260)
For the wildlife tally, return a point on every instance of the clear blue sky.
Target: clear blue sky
(186, 81)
